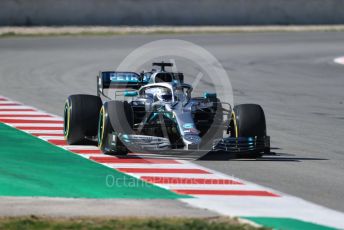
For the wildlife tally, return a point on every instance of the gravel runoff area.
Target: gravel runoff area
(127, 223)
(113, 30)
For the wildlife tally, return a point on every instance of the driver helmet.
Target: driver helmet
(163, 96)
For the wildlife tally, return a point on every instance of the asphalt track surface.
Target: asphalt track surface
(292, 75)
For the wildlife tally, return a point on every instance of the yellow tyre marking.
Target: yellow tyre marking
(100, 143)
(68, 119)
(235, 124)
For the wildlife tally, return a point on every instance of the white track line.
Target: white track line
(15, 107)
(179, 175)
(339, 60)
(90, 155)
(210, 187)
(48, 138)
(13, 113)
(8, 102)
(148, 165)
(79, 147)
(33, 118)
(35, 125)
(87, 156)
(44, 131)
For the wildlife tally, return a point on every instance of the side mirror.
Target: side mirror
(131, 93)
(207, 95)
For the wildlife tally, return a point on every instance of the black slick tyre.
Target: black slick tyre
(115, 118)
(81, 118)
(248, 120)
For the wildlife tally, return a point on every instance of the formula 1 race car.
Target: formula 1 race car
(156, 112)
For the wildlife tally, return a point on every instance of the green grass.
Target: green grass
(33, 222)
(287, 223)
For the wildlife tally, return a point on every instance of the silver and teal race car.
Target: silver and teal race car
(155, 111)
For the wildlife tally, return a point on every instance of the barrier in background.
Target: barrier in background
(170, 12)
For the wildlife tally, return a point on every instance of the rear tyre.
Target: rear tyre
(115, 118)
(81, 118)
(248, 120)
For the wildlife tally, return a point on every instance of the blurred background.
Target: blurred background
(169, 12)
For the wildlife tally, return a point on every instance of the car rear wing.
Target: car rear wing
(119, 80)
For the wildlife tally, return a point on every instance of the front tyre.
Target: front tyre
(81, 118)
(248, 120)
(115, 118)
